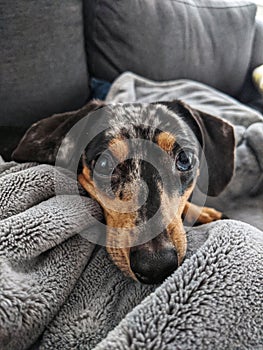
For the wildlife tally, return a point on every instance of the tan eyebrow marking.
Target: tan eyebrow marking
(166, 141)
(119, 148)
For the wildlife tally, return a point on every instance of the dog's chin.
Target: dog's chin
(153, 279)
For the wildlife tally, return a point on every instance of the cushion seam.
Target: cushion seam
(215, 7)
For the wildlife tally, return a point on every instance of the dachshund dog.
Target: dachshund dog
(133, 143)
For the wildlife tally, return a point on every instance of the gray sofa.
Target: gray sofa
(51, 49)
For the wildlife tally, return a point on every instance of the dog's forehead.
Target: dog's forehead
(134, 118)
(150, 122)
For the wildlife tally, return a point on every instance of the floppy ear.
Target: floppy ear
(42, 140)
(218, 142)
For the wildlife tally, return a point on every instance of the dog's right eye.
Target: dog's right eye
(104, 165)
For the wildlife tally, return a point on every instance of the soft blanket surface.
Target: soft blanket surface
(58, 291)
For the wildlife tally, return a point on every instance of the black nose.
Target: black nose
(152, 268)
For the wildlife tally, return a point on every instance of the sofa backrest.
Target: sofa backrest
(209, 41)
(43, 62)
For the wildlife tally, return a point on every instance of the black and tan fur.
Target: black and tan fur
(171, 126)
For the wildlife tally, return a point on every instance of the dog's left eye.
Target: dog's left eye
(104, 165)
(184, 160)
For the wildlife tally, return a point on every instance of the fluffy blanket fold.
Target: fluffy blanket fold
(59, 291)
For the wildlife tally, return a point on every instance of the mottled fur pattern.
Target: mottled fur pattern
(132, 168)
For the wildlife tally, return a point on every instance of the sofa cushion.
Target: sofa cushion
(43, 63)
(208, 41)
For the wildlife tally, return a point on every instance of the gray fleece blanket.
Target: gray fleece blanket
(58, 291)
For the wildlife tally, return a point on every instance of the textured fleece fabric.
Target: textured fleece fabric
(58, 292)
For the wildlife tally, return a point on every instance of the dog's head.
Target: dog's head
(142, 168)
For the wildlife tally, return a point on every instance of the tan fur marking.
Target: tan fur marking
(166, 141)
(120, 256)
(119, 148)
(202, 215)
(87, 183)
(120, 220)
(177, 234)
(175, 228)
(121, 259)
